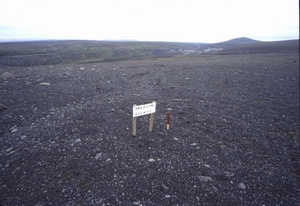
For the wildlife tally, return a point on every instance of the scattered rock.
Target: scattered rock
(7, 75)
(165, 187)
(3, 107)
(229, 174)
(66, 75)
(77, 141)
(13, 129)
(161, 65)
(215, 189)
(205, 179)
(45, 83)
(9, 149)
(242, 186)
(137, 203)
(151, 160)
(11, 152)
(98, 156)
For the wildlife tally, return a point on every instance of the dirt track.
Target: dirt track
(66, 136)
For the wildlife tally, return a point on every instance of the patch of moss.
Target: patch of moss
(83, 184)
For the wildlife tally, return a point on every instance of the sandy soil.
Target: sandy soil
(66, 136)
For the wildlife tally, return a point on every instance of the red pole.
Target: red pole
(168, 120)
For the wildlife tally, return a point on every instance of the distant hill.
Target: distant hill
(236, 41)
(250, 46)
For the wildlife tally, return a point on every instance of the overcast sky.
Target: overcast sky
(149, 20)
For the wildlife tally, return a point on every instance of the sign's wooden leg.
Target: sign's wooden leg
(134, 126)
(151, 122)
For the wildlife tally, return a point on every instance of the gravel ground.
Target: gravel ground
(66, 132)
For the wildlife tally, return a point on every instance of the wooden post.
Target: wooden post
(151, 122)
(134, 124)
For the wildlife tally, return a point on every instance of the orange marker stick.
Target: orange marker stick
(168, 120)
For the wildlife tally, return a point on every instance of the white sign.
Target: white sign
(140, 110)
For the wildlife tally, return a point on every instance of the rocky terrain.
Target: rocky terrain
(66, 131)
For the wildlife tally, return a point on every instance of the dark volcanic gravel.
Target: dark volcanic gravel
(66, 136)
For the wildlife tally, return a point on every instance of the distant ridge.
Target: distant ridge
(53, 52)
(241, 40)
(250, 46)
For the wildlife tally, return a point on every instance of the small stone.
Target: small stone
(81, 68)
(108, 160)
(23, 137)
(193, 144)
(215, 189)
(205, 179)
(165, 187)
(3, 107)
(77, 141)
(176, 139)
(14, 129)
(98, 156)
(151, 160)
(9, 149)
(45, 83)
(242, 186)
(7, 75)
(208, 166)
(229, 174)
(167, 196)
(11, 152)
(138, 203)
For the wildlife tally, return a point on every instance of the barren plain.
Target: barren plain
(66, 128)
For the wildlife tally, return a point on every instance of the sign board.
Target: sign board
(140, 110)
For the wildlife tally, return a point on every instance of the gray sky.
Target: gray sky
(149, 20)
